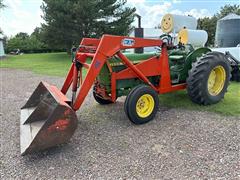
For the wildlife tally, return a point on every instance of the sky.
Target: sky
(25, 15)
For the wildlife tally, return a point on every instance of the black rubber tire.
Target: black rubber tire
(235, 74)
(127, 99)
(197, 81)
(131, 101)
(99, 99)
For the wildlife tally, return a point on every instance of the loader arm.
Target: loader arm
(86, 43)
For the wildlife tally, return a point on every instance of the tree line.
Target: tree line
(68, 21)
(33, 43)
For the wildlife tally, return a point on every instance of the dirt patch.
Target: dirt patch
(177, 144)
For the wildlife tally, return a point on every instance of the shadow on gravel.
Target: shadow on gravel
(46, 154)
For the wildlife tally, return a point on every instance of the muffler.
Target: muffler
(47, 119)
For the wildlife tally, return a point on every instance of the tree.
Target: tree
(1, 31)
(38, 33)
(19, 41)
(25, 43)
(22, 35)
(209, 24)
(29, 44)
(67, 21)
(1, 7)
(15, 43)
(227, 9)
(1, 4)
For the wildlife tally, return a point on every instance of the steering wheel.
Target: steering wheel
(166, 38)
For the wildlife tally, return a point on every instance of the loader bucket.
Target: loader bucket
(46, 119)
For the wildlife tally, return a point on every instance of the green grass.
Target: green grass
(229, 106)
(58, 64)
(55, 64)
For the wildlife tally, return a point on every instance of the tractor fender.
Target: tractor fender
(192, 57)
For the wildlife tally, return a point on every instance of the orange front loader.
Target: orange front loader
(48, 118)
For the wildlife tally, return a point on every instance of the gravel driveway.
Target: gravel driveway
(177, 144)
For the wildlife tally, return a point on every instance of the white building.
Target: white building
(2, 53)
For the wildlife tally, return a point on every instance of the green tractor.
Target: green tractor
(48, 118)
(206, 74)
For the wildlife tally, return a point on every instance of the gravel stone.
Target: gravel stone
(177, 144)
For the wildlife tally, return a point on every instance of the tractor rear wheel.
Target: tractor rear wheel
(209, 78)
(99, 99)
(141, 104)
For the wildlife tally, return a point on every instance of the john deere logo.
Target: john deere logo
(128, 42)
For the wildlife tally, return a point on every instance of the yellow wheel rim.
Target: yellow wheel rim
(145, 105)
(216, 80)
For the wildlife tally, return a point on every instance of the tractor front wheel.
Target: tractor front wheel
(141, 104)
(209, 78)
(99, 98)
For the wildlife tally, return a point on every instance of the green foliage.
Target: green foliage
(24, 42)
(67, 21)
(29, 44)
(225, 10)
(1, 4)
(1, 7)
(38, 34)
(22, 35)
(228, 106)
(209, 24)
